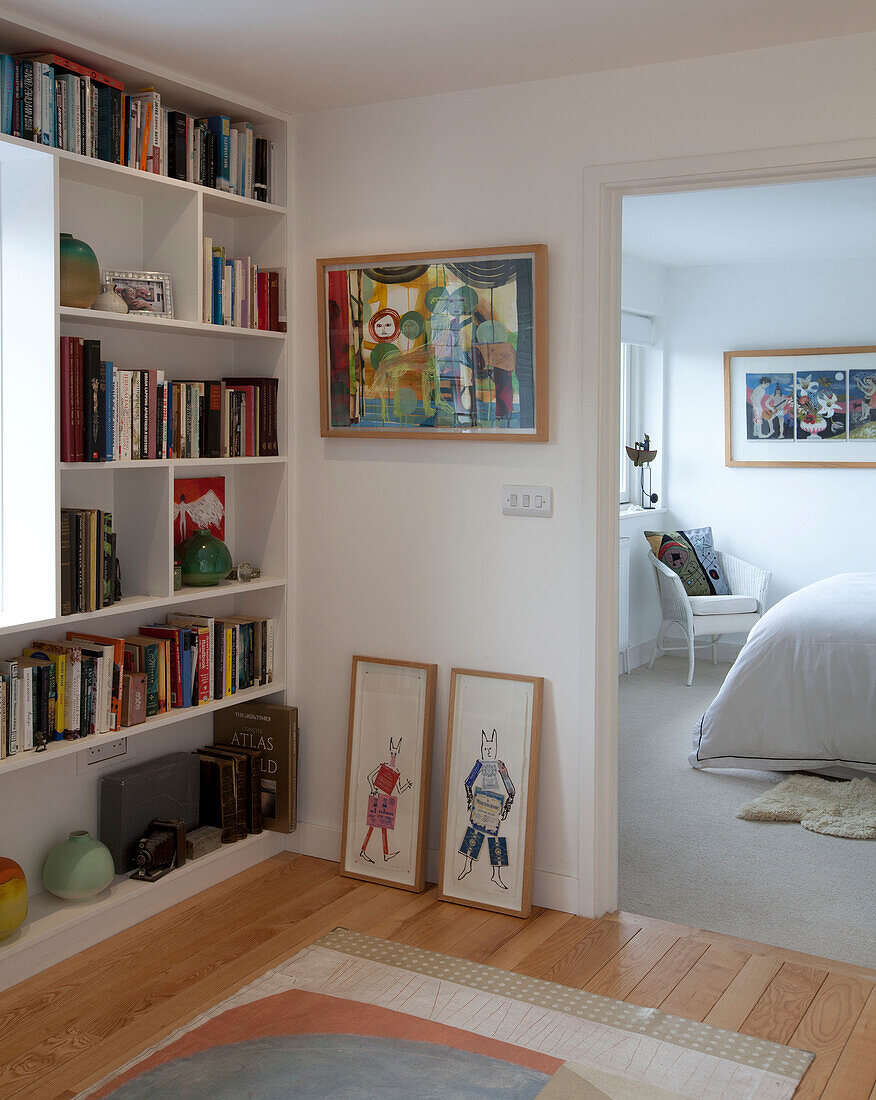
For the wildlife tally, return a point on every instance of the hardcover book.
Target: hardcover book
(69, 668)
(218, 795)
(273, 730)
(114, 652)
(250, 763)
(133, 698)
(241, 785)
(143, 650)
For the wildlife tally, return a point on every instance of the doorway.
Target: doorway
(606, 189)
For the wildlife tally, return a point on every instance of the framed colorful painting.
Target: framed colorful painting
(435, 345)
(389, 766)
(490, 791)
(198, 503)
(800, 407)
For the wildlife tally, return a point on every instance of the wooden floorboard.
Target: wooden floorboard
(739, 998)
(784, 1003)
(854, 1075)
(67, 1027)
(653, 989)
(826, 1026)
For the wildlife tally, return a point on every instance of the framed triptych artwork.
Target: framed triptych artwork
(800, 407)
(490, 791)
(389, 758)
(435, 345)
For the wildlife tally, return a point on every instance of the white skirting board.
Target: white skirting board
(57, 929)
(641, 654)
(549, 890)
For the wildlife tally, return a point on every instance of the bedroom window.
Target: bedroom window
(641, 399)
(626, 428)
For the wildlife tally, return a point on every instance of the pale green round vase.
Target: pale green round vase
(80, 273)
(78, 868)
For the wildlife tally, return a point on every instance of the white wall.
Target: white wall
(400, 549)
(804, 524)
(643, 286)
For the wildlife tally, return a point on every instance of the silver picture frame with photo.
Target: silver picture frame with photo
(145, 293)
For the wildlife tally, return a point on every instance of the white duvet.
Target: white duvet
(802, 692)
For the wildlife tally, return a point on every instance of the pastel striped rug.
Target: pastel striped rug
(357, 1017)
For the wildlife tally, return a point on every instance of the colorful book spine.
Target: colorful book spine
(220, 126)
(9, 671)
(109, 413)
(7, 80)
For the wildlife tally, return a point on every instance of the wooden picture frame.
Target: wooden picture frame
(435, 345)
(386, 792)
(800, 407)
(490, 778)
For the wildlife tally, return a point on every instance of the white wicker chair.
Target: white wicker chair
(705, 616)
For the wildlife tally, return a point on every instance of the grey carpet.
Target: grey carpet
(685, 857)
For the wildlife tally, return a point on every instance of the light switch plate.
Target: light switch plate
(528, 500)
(101, 751)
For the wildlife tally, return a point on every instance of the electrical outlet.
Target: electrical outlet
(100, 752)
(528, 500)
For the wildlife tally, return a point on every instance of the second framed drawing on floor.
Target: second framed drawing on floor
(389, 755)
(490, 790)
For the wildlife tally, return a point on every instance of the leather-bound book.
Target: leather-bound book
(218, 795)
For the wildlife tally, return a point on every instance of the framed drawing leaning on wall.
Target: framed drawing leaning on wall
(389, 758)
(490, 790)
(800, 407)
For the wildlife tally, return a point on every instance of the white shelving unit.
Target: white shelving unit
(150, 325)
(134, 221)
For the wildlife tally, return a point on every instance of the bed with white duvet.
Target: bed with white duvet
(802, 692)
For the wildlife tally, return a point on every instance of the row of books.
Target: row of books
(92, 684)
(90, 574)
(109, 414)
(231, 790)
(60, 103)
(239, 292)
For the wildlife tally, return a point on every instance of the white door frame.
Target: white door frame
(605, 187)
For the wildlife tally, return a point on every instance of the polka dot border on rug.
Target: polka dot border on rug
(690, 1034)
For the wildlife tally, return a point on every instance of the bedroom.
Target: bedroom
(776, 267)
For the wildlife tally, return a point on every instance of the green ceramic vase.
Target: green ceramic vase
(205, 559)
(78, 868)
(13, 897)
(80, 273)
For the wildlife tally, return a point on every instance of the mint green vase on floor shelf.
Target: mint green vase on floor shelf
(78, 868)
(80, 273)
(205, 559)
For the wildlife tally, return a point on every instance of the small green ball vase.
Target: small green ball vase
(78, 868)
(80, 273)
(205, 559)
(13, 897)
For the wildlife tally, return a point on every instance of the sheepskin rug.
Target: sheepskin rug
(845, 808)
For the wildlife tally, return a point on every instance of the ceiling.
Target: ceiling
(307, 55)
(819, 220)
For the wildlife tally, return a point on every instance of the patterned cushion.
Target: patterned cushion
(690, 554)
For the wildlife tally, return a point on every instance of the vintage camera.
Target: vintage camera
(162, 848)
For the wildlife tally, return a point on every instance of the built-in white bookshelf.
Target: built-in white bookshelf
(134, 221)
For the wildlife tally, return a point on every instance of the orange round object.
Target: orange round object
(13, 897)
